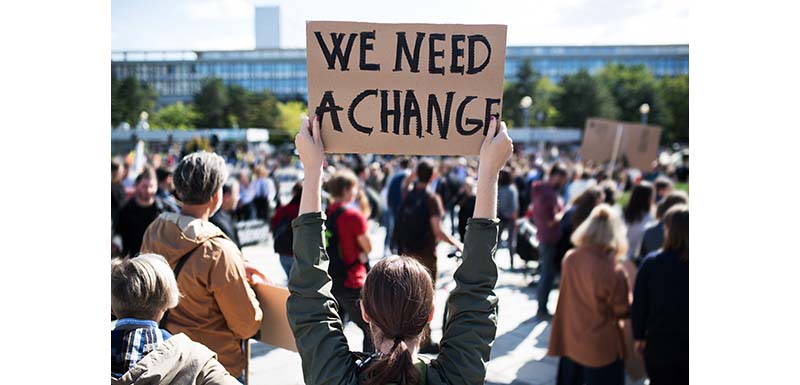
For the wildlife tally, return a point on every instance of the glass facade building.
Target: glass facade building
(177, 75)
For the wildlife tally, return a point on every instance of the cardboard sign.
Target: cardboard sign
(415, 89)
(275, 328)
(638, 143)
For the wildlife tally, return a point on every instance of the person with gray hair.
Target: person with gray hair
(142, 290)
(220, 308)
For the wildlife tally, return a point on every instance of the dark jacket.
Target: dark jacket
(652, 240)
(323, 348)
(661, 298)
(227, 223)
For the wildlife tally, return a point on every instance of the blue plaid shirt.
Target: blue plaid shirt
(131, 340)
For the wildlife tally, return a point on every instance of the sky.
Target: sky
(229, 24)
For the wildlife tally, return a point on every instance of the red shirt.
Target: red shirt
(350, 225)
(290, 211)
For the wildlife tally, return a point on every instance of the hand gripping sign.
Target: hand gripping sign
(415, 89)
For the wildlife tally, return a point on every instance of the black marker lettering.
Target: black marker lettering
(365, 46)
(402, 47)
(329, 105)
(351, 111)
(433, 53)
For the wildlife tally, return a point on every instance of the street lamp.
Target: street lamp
(644, 109)
(525, 104)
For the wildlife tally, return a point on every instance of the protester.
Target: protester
(219, 307)
(663, 187)
(281, 225)
(547, 205)
(638, 215)
(142, 290)
(574, 216)
(653, 237)
(117, 192)
(507, 208)
(397, 298)
(593, 298)
(246, 209)
(165, 187)
(660, 311)
(139, 212)
(366, 192)
(224, 218)
(394, 197)
(418, 227)
(466, 206)
(264, 193)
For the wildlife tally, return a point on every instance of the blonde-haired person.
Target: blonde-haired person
(660, 311)
(142, 290)
(593, 298)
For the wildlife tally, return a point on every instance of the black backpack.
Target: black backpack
(337, 269)
(412, 229)
(284, 236)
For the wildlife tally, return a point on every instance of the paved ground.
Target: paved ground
(518, 354)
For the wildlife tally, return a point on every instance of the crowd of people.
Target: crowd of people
(618, 263)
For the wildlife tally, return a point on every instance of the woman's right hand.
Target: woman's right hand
(309, 145)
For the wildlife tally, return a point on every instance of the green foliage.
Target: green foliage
(196, 144)
(582, 96)
(632, 86)
(129, 98)
(262, 111)
(212, 102)
(174, 116)
(675, 92)
(540, 88)
(290, 117)
(234, 106)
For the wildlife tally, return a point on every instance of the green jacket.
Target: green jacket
(465, 346)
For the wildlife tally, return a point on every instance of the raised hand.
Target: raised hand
(309, 145)
(496, 148)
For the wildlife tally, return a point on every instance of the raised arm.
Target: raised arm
(311, 308)
(472, 324)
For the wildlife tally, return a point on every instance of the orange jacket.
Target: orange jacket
(217, 308)
(593, 299)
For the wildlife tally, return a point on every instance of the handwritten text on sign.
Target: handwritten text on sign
(423, 89)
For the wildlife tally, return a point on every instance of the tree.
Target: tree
(581, 97)
(239, 104)
(544, 97)
(523, 85)
(290, 117)
(211, 103)
(129, 98)
(263, 110)
(174, 116)
(675, 93)
(632, 86)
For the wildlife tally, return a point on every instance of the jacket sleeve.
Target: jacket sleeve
(640, 301)
(233, 294)
(619, 297)
(213, 373)
(472, 323)
(312, 310)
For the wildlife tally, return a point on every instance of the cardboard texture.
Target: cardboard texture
(638, 143)
(275, 328)
(400, 100)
